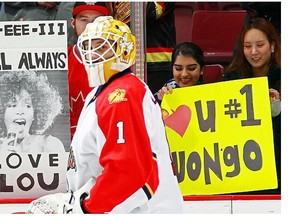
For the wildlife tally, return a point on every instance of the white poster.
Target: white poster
(34, 109)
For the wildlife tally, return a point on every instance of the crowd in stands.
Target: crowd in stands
(169, 26)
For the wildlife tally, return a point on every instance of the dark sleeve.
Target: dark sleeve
(160, 8)
(157, 99)
(263, 8)
(20, 5)
(274, 79)
(230, 76)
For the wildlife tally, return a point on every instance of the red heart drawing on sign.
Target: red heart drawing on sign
(179, 120)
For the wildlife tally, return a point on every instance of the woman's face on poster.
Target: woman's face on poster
(19, 114)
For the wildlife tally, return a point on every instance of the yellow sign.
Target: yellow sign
(220, 136)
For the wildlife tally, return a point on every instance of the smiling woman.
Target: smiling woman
(259, 55)
(28, 106)
(187, 65)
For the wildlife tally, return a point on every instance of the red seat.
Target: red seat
(216, 32)
(183, 15)
(212, 73)
(229, 6)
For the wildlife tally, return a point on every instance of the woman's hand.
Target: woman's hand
(275, 102)
(164, 90)
(274, 95)
(4, 146)
(9, 143)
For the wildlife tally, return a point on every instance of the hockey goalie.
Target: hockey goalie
(119, 158)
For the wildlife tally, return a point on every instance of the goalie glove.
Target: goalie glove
(51, 204)
(61, 203)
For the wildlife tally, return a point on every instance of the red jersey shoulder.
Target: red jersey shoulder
(125, 89)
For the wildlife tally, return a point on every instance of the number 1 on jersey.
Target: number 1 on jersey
(120, 126)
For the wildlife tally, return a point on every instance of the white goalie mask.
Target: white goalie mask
(107, 47)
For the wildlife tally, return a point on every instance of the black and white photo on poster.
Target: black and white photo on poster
(30, 104)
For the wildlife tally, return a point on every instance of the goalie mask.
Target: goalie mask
(107, 47)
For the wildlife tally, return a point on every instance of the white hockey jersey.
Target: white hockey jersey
(120, 141)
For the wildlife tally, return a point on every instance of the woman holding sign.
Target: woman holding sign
(187, 63)
(28, 106)
(259, 55)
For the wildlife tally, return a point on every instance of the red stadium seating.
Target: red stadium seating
(212, 73)
(229, 6)
(183, 15)
(216, 32)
